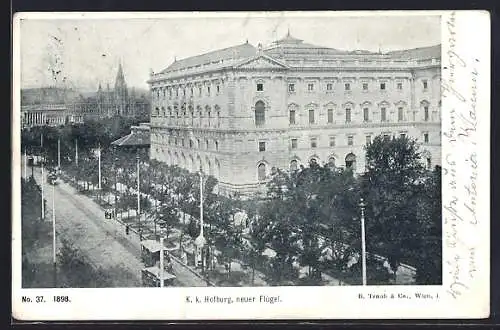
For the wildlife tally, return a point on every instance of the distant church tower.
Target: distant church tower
(121, 93)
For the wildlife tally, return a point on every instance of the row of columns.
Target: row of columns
(35, 118)
(40, 118)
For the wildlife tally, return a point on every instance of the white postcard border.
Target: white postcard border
(466, 253)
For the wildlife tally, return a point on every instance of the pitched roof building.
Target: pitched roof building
(241, 111)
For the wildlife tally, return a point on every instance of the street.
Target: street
(103, 241)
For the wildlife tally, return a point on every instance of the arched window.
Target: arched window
(331, 161)
(350, 161)
(260, 115)
(261, 171)
(293, 165)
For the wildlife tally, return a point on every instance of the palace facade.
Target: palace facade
(239, 112)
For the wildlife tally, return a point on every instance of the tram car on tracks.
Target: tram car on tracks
(52, 177)
(151, 277)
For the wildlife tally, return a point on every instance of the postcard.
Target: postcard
(251, 165)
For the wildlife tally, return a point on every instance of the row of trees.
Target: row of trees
(310, 216)
(313, 215)
(87, 135)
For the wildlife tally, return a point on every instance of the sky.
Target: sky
(82, 52)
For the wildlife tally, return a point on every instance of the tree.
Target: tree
(393, 187)
(167, 217)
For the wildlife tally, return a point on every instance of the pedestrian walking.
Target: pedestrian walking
(127, 229)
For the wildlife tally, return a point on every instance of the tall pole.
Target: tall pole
(41, 181)
(363, 239)
(99, 157)
(201, 204)
(138, 195)
(76, 152)
(161, 260)
(54, 233)
(25, 164)
(59, 153)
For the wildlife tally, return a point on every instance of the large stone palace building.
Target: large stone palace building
(48, 106)
(239, 112)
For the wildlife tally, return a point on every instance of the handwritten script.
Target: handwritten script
(460, 163)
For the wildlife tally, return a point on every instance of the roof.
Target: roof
(138, 138)
(235, 52)
(156, 272)
(422, 53)
(152, 245)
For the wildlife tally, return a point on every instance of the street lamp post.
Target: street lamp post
(41, 181)
(138, 195)
(76, 152)
(59, 154)
(362, 205)
(200, 240)
(161, 257)
(25, 164)
(54, 259)
(99, 166)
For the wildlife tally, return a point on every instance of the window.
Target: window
(293, 165)
(400, 114)
(426, 137)
(208, 90)
(382, 86)
(216, 145)
(175, 141)
(350, 140)
(311, 116)
(183, 92)
(190, 143)
(291, 88)
(199, 91)
(260, 87)
(292, 117)
(310, 87)
(366, 115)
(424, 84)
(332, 141)
(329, 87)
(218, 89)
(383, 114)
(177, 92)
(206, 144)
(365, 86)
(260, 115)
(368, 139)
(347, 86)
(348, 115)
(314, 142)
(400, 85)
(261, 172)
(192, 92)
(350, 161)
(426, 113)
(331, 162)
(262, 146)
(330, 116)
(182, 142)
(294, 143)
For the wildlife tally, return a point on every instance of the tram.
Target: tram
(151, 277)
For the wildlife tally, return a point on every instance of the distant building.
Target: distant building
(119, 101)
(48, 106)
(241, 111)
